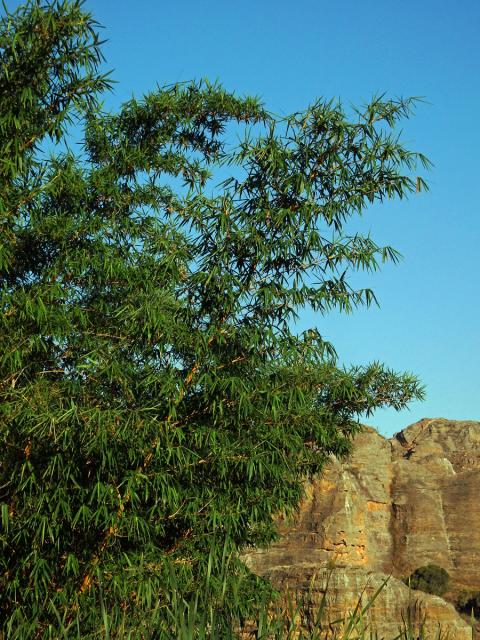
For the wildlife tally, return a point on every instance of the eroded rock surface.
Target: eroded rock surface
(394, 506)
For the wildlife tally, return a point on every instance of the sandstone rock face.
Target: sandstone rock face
(394, 608)
(394, 506)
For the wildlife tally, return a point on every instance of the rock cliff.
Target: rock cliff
(394, 506)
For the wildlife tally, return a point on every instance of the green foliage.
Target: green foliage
(430, 578)
(301, 615)
(469, 602)
(155, 400)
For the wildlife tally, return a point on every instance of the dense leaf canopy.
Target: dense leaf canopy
(430, 578)
(155, 397)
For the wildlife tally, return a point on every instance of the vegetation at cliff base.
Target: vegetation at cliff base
(430, 578)
(157, 406)
(469, 602)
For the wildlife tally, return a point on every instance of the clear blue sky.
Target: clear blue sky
(290, 53)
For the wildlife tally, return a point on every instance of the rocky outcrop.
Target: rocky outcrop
(394, 608)
(395, 505)
(435, 495)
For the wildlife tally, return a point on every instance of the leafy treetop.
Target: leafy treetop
(430, 578)
(155, 397)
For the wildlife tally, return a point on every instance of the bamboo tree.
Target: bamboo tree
(156, 399)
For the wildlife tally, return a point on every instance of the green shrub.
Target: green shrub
(430, 578)
(469, 602)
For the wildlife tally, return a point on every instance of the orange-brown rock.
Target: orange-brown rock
(394, 506)
(394, 608)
